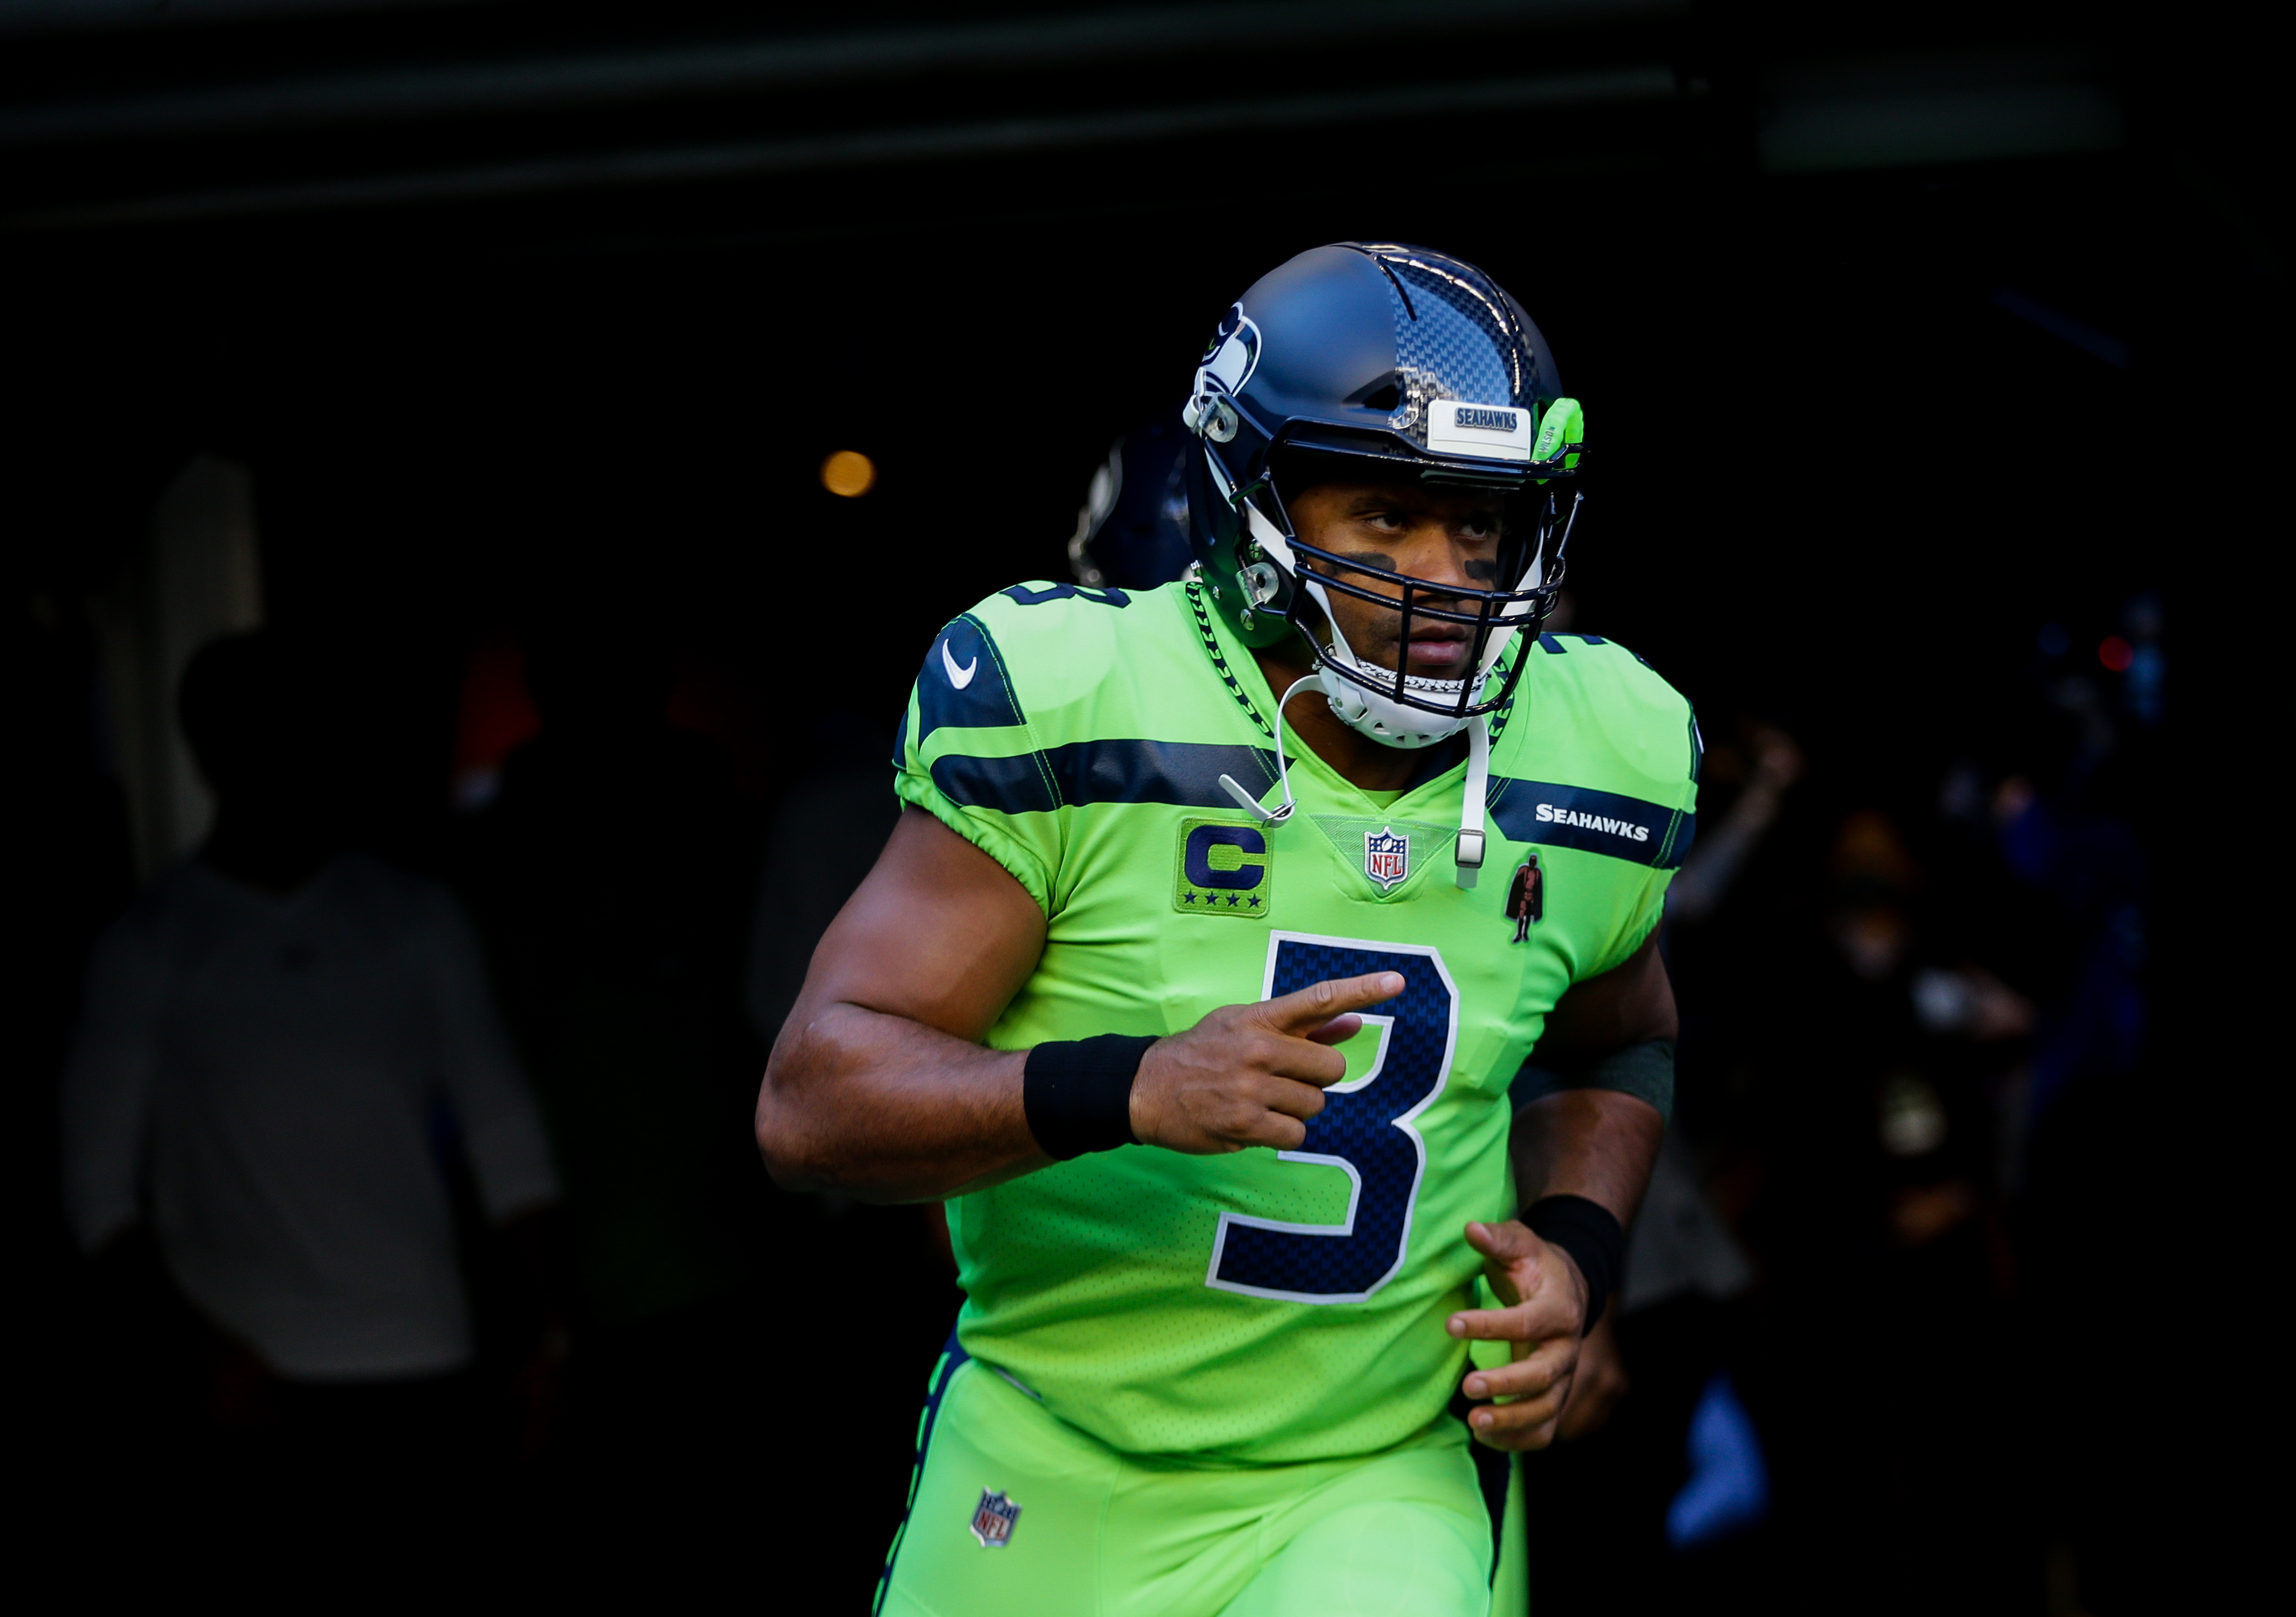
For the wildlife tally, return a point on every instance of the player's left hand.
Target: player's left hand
(1546, 1312)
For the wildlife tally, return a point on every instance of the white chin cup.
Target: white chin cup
(1384, 719)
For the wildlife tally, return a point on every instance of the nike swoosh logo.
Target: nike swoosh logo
(958, 676)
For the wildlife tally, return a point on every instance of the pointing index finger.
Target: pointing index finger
(1318, 1003)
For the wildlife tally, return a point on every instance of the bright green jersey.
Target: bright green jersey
(1269, 1307)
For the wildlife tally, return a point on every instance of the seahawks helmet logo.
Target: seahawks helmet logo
(1233, 354)
(1230, 357)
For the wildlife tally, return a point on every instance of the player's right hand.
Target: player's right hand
(1252, 1074)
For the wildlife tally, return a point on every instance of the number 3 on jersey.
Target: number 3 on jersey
(1363, 1130)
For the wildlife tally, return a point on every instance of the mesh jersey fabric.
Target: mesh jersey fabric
(1263, 1307)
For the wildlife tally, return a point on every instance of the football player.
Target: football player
(1219, 923)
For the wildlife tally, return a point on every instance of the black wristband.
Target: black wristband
(1592, 1235)
(1077, 1092)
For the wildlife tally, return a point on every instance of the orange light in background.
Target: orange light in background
(2115, 653)
(849, 473)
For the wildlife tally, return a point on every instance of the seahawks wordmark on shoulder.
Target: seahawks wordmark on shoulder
(1594, 822)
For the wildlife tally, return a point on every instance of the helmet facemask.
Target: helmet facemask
(1283, 574)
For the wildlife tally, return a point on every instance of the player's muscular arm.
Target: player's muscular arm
(1598, 1144)
(879, 1087)
(877, 1084)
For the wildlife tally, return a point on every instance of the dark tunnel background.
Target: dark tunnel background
(1819, 429)
(1858, 436)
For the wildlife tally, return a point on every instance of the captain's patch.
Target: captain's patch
(1222, 868)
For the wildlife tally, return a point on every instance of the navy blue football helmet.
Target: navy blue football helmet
(1132, 530)
(1380, 357)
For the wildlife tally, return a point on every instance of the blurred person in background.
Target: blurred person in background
(825, 833)
(286, 1051)
(2047, 996)
(1879, 1236)
(612, 877)
(1657, 1454)
(1729, 840)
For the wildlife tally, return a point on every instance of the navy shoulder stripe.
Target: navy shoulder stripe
(1021, 595)
(1184, 772)
(1010, 785)
(1181, 772)
(1594, 822)
(963, 682)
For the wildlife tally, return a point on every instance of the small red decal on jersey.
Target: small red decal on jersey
(1526, 898)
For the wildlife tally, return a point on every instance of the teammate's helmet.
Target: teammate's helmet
(1133, 530)
(1382, 358)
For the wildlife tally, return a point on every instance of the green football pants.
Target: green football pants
(1014, 1513)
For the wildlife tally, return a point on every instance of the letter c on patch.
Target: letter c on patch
(1251, 869)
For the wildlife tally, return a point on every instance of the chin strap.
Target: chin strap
(1252, 805)
(1469, 851)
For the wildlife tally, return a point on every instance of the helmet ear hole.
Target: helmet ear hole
(1263, 585)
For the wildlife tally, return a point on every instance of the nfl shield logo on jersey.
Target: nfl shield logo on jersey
(993, 1518)
(1387, 856)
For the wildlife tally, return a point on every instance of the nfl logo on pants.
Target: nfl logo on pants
(993, 1518)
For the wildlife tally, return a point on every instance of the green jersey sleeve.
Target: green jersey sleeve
(1667, 752)
(1620, 752)
(1638, 923)
(967, 755)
